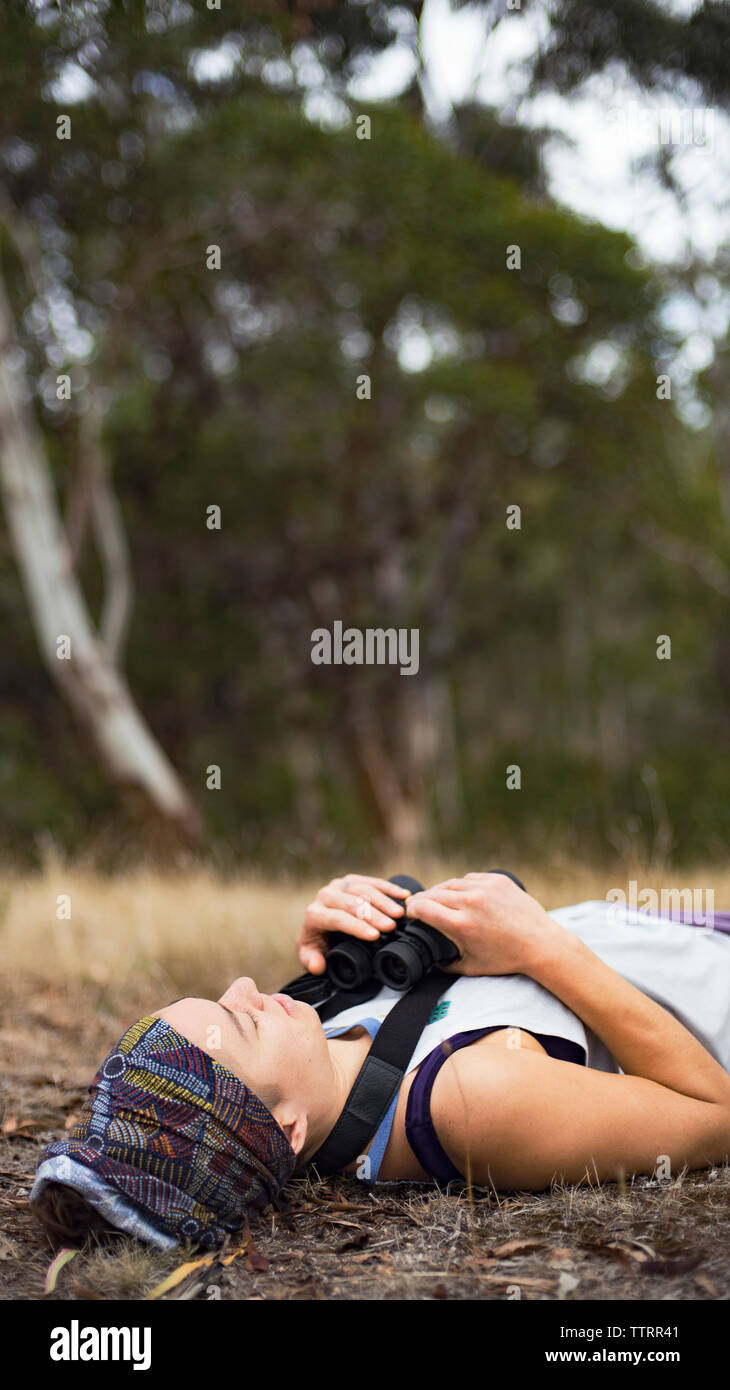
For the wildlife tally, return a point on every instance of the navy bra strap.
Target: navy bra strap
(420, 1130)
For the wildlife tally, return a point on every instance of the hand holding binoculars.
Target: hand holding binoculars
(399, 958)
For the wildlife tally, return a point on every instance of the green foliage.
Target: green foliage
(658, 46)
(339, 258)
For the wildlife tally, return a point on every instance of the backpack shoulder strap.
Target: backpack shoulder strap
(380, 1075)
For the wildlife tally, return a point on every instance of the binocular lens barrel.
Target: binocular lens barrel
(349, 964)
(399, 965)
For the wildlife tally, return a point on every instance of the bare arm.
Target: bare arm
(674, 1099)
(643, 1037)
(501, 931)
(519, 1119)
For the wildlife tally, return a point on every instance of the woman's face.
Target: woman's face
(276, 1045)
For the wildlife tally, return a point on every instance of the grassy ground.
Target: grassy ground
(69, 987)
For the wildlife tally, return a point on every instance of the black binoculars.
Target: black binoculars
(398, 959)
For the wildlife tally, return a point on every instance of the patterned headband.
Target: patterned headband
(183, 1141)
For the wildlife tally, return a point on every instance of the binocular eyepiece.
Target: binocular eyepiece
(398, 959)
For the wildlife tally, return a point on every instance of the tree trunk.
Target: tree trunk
(403, 818)
(95, 690)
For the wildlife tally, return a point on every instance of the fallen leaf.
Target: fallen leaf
(516, 1247)
(55, 1267)
(566, 1284)
(644, 1255)
(193, 1288)
(622, 1250)
(501, 1281)
(681, 1266)
(257, 1263)
(13, 1126)
(179, 1274)
(645, 1246)
(354, 1243)
(234, 1255)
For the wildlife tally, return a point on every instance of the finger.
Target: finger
(360, 905)
(349, 881)
(312, 960)
(365, 888)
(362, 887)
(442, 893)
(310, 937)
(430, 909)
(321, 918)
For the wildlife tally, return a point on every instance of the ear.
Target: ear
(294, 1125)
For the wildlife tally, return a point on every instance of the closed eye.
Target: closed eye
(237, 1020)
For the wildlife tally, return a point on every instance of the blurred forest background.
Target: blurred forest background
(192, 387)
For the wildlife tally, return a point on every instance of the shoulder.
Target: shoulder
(518, 1119)
(476, 1076)
(479, 1091)
(494, 1110)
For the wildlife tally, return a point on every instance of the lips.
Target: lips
(286, 1003)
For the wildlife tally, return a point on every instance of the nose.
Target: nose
(244, 991)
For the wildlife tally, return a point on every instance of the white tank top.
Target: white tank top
(685, 969)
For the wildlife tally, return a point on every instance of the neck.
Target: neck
(346, 1055)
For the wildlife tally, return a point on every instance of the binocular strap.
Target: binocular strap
(380, 1075)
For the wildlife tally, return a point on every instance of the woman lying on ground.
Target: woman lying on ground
(590, 1041)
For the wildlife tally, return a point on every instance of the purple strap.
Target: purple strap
(420, 1131)
(719, 921)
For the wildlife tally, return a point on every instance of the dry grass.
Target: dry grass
(197, 930)
(147, 929)
(69, 986)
